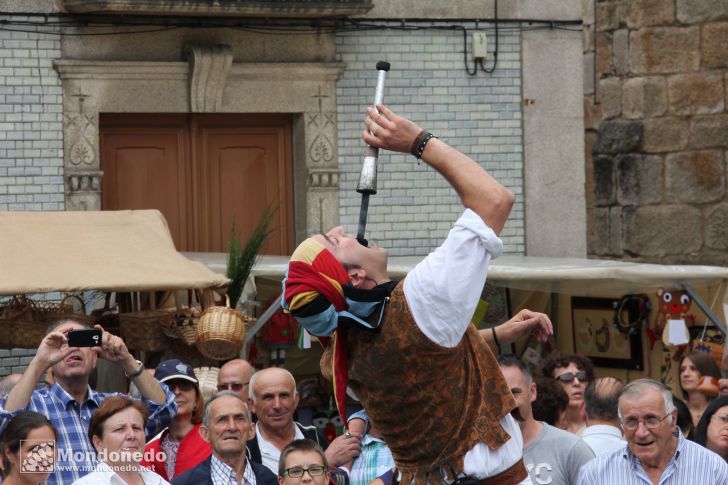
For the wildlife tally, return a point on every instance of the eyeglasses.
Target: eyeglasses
(723, 419)
(570, 376)
(298, 471)
(233, 386)
(651, 422)
(182, 385)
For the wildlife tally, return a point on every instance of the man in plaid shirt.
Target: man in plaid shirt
(70, 402)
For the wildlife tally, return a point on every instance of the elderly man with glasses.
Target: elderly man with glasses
(656, 451)
(235, 376)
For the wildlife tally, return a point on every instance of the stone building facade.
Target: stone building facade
(523, 122)
(656, 74)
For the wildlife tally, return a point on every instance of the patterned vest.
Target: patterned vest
(431, 403)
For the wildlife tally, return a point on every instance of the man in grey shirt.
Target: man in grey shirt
(551, 455)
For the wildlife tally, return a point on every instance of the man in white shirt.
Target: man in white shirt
(274, 397)
(603, 432)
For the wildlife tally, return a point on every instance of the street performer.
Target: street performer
(407, 349)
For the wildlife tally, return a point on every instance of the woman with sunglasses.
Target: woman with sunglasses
(573, 372)
(27, 448)
(181, 443)
(692, 367)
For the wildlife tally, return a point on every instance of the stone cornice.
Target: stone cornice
(223, 8)
(132, 70)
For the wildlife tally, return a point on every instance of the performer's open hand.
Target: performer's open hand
(384, 129)
(526, 322)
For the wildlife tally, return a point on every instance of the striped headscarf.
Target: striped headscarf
(313, 292)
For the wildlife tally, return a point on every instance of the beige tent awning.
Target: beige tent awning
(96, 250)
(574, 276)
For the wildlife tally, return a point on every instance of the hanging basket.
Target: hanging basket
(142, 331)
(51, 311)
(18, 308)
(183, 323)
(220, 332)
(26, 334)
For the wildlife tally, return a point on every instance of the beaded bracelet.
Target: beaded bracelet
(418, 146)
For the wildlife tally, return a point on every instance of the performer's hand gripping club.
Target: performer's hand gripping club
(478, 190)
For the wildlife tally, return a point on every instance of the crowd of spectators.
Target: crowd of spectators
(575, 427)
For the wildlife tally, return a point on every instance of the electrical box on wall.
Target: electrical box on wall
(480, 45)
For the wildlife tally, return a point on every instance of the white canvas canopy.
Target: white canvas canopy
(568, 276)
(573, 276)
(97, 250)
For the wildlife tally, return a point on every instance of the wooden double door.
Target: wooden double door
(202, 172)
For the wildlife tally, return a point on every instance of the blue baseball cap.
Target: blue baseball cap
(174, 369)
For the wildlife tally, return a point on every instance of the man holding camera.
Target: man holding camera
(70, 402)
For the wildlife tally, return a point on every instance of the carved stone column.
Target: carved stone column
(322, 200)
(81, 154)
(83, 190)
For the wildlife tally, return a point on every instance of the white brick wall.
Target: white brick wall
(31, 123)
(481, 116)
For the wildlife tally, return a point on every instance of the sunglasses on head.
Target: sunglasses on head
(570, 376)
(181, 384)
(233, 386)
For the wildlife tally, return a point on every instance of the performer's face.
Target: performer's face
(347, 250)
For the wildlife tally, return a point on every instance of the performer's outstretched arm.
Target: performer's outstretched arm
(477, 189)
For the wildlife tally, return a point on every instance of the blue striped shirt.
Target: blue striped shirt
(76, 456)
(691, 465)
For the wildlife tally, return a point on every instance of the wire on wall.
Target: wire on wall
(112, 25)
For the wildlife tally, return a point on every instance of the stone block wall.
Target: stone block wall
(31, 121)
(656, 80)
(14, 361)
(414, 207)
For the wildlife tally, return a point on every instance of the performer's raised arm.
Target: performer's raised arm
(477, 189)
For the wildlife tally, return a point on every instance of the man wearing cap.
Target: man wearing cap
(424, 374)
(181, 444)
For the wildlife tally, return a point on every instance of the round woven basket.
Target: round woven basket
(220, 332)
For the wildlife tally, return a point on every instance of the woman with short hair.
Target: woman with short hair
(116, 430)
(574, 372)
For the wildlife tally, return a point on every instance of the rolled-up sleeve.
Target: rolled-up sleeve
(6, 416)
(442, 291)
(160, 415)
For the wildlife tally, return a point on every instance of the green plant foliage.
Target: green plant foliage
(241, 260)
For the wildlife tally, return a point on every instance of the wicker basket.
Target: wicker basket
(51, 311)
(18, 308)
(26, 334)
(141, 330)
(207, 379)
(182, 325)
(220, 332)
